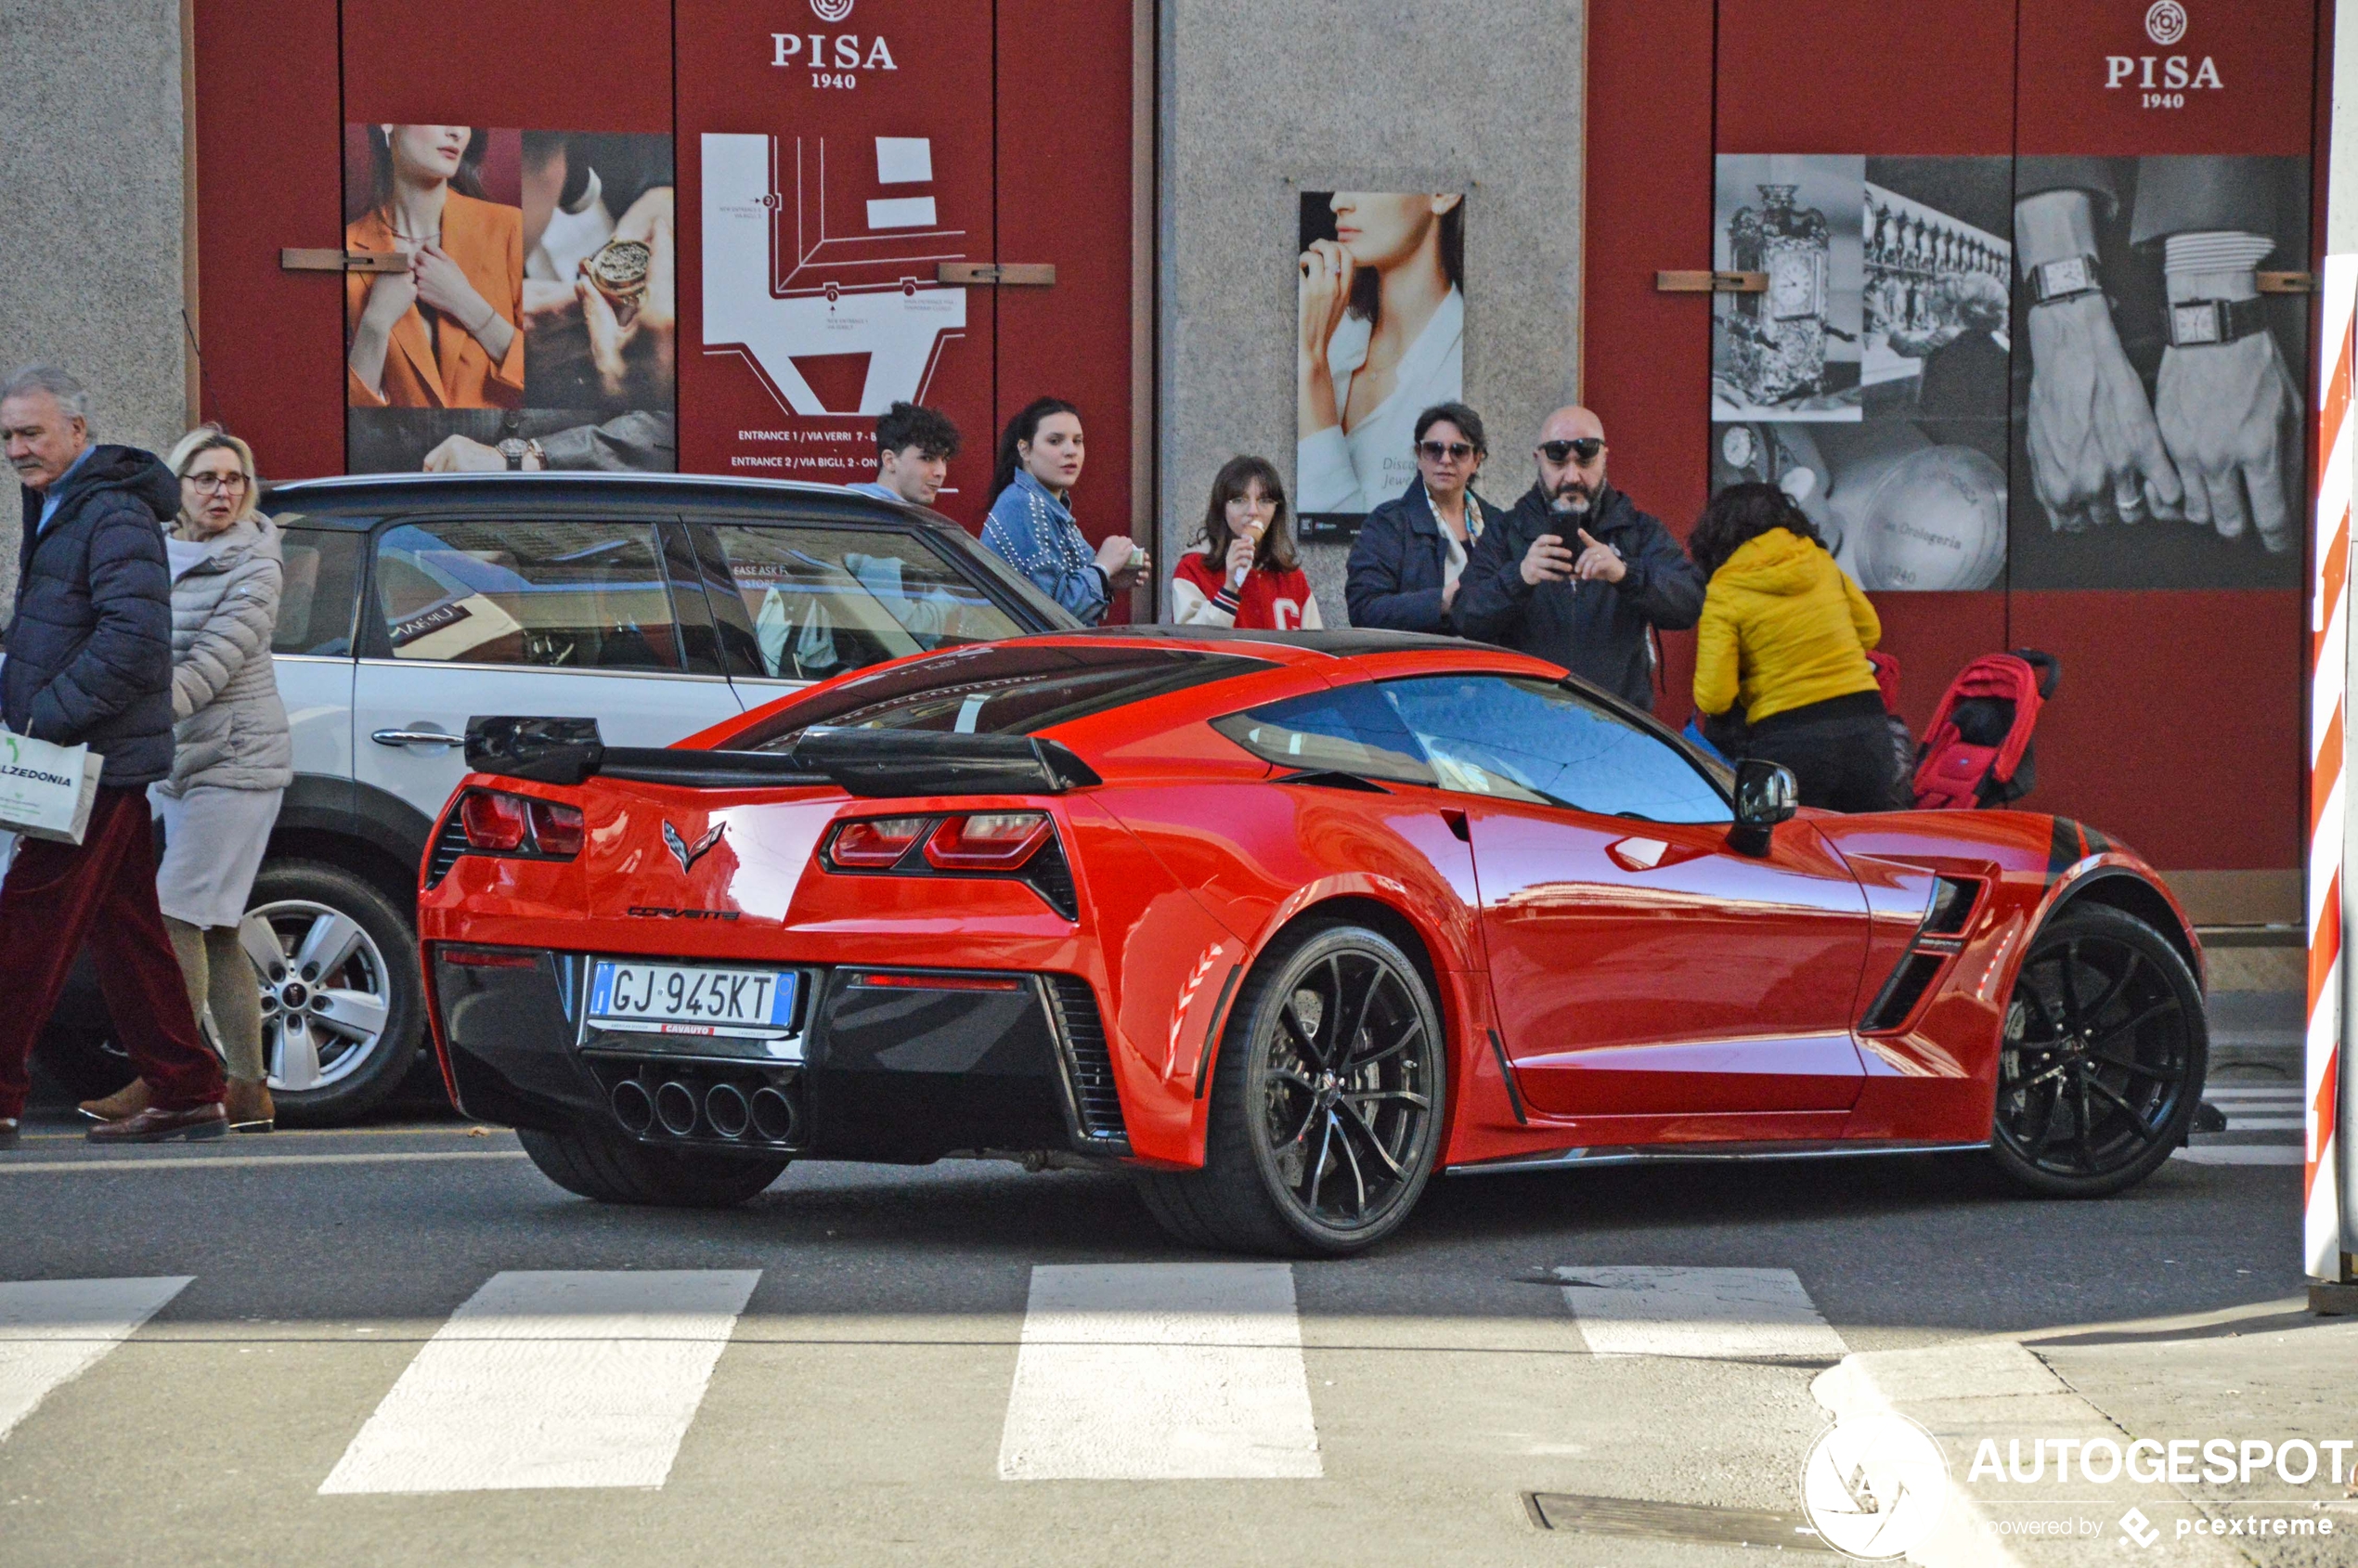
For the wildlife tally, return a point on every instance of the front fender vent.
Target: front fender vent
(1080, 1032)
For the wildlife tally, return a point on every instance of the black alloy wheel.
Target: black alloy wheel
(1326, 1103)
(2102, 1060)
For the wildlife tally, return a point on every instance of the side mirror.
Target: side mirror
(1765, 795)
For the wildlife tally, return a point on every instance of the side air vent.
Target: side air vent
(1096, 1103)
(1902, 992)
(1051, 876)
(448, 845)
(1952, 901)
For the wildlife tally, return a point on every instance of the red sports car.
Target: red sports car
(1283, 923)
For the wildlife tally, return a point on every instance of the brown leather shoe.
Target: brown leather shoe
(129, 1100)
(248, 1106)
(156, 1125)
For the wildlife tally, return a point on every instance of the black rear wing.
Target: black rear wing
(869, 763)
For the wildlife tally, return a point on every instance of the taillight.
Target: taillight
(1020, 846)
(987, 840)
(557, 828)
(875, 844)
(496, 822)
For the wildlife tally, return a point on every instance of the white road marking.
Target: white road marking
(2241, 1123)
(2240, 1153)
(1158, 1372)
(245, 1161)
(2230, 1092)
(1717, 1313)
(53, 1330)
(557, 1378)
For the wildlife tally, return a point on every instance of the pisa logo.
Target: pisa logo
(2165, 23)
(835, 10)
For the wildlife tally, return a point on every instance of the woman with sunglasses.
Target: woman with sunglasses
(1785, 632)
(1247, 574)
(232, 757)
(1412, 550)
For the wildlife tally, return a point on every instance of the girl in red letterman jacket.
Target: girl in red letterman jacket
(1246, 575)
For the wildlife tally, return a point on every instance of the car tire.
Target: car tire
(2102, 1056)
(297, 896)
(611, 1171)
(1364, 1098)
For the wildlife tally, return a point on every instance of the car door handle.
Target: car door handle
(416, 737)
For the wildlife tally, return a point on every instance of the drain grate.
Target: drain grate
(1673, 1522)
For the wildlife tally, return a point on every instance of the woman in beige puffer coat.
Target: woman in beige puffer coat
(233, 758)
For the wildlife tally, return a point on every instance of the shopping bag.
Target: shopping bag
(46, 790)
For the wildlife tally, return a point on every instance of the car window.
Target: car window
(818, 602)
(1533, 740)
(1350, 729)
(321, 584)
(1015, 690)
(556, 594)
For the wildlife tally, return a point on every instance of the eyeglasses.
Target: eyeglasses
(1447, 451)
(227, 483)
(1584, 449)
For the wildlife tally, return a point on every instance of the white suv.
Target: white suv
(656, 603)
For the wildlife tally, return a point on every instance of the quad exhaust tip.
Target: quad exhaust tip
(676, 1107)
(632, 1108)
(774, 1116)
(725, 1108)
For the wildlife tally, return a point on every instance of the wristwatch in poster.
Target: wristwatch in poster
(2196, 322)
(516, 451)
(2062, 279)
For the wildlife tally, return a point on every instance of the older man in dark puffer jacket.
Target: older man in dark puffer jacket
(89, 662)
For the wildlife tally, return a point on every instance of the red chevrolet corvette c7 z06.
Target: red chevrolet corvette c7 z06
(1281, 923)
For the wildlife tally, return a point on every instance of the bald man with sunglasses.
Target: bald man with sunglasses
(1576, 573)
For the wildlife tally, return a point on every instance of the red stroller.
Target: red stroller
(1976, 752)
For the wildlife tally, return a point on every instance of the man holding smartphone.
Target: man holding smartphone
(1576, 573)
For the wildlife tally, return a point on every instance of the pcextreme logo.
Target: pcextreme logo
(2162, 80)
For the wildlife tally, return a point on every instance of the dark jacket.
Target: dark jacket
(1595, 629)
(1397, 566)
(90, 646)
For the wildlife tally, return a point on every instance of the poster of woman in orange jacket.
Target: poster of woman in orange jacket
(447, 334)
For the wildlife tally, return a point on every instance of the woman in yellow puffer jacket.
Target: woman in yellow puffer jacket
(1785, 632)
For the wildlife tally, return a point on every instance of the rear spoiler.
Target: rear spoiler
(869, 763)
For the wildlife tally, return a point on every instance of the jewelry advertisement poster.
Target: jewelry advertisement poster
(528, 319)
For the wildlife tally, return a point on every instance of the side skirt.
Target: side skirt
(1670, 1154)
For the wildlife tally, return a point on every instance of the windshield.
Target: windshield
(1007, 689)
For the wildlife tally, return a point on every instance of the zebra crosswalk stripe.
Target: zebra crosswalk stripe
(53, 1330)
(1712, 1313)
(556, 1379)
(1160, 1371)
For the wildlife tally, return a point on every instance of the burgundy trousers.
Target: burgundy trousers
(103, 889)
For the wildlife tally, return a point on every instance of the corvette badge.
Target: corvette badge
(686, 853)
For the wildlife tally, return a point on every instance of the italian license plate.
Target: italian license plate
(685, 998)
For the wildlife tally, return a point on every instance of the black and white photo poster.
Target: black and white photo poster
(2158, 437)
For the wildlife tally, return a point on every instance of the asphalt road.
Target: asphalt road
(870, 1364)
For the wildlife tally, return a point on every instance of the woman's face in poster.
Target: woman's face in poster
(1384, 228)
(428, 153)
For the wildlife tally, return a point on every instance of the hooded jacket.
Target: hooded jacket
(90, 644)
(1596, 629)
(1782, 627)
(232, 729)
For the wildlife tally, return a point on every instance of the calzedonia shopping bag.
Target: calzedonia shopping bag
(46, 790)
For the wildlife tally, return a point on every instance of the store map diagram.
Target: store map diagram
(839, 315)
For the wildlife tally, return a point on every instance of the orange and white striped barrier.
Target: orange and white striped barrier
(2325, 1241)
